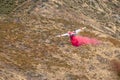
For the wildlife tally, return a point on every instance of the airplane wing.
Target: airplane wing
(75, 32)
(66, 34)
(79, 30)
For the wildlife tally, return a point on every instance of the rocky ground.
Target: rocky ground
(29, 49)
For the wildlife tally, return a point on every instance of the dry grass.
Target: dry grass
(116, 66)
(35, 51)
(27, 47)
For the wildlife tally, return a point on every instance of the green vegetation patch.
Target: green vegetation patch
(6, 6)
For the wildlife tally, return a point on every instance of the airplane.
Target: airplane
(79, 40)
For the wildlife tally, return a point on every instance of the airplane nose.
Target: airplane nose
(71, 33)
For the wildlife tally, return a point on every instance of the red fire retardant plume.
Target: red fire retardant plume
(80, 40)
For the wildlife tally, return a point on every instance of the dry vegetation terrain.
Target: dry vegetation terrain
(29, 49)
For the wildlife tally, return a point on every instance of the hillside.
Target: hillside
(29, 49)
